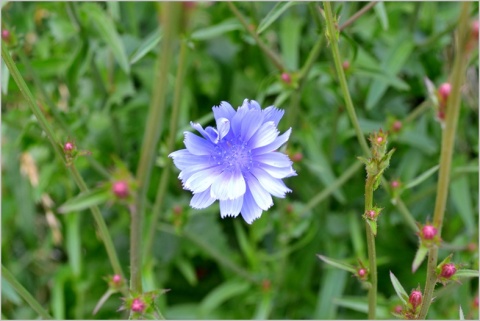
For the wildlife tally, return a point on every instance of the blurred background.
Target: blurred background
(91, 66)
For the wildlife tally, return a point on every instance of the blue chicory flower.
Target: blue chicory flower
(237, 162)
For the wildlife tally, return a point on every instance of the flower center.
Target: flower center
(232, 154)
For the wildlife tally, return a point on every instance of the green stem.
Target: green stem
(341, 77)
(177, 99)
(34, 304)
(417, 111)
(402, 208)
(273, 57)
(150, 140)
(372, 258)
(56, 146)
(448, 142)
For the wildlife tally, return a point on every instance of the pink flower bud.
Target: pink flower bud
(346, 65)
(362, 273)
(286, 78)
(120, 189)
(448, 270)
(5, 34)
(138, 305)
(415, 298)
(475, 30)
(398, 309)
(68, 147)
(429, 232)
(266, 285)
(395, 184)
(475, 302)
(371, 214)
(444, 91)
(116, 279)
(397, 125)
(297, 157)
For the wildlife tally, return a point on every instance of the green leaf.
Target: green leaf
(222, 293)
(401, 293)
(5, 78)
(290, 38)
(187, 270)
(373, 226)
(380, 75)
(395, 60)
(381, 13)
(460, 313)
(146, 46)
(108, 32)
(85, 200)
(274, 14)
(419, 257)
(360, 304)
(419, 179)
(245, 245)
(216, 30)
(465, 273)
(460, 192)
(337, 264)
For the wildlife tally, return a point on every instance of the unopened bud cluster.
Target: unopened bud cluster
(446, 271)
(372, 214)
(141, 305)
(443, 93)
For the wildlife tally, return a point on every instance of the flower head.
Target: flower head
(429, 232)
(448, 270)
(236, 163)
(415, 298)
(120, 189)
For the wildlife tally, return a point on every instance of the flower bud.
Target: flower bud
(286, 78)
(395, 184)
(448, 270)
(362, 273)
(116, 279)
(137, 305)
(415, 298)
(297, 157)
(346, 65)
(398, 309)
(475, 302)
(68, 147)
(475, 30)
(120, 189)
(444, 91)
(396, 126)
(5, 35)
(429, 232)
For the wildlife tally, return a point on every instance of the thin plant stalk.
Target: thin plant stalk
(332, 31)
(357, 15)
(32, 302)
(177, 100)
(272, 55)
(448, 144)
(150, 140)
(97, 215)
(372, 258)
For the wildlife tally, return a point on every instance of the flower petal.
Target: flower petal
(250, 124)
(260, 195)
(275, 159)
(189, 171)
(255, 105)
(197, 145)
(202, 180)
(183, 159)
(273, 114)
(278, 172)
(272, 185)
(279, 141)
(209, 133)
(223, 126)
(225, 110)
(202, 200)
(228, 185)
(231, 207)
(250, 210)
(236, 122)
(265, 135)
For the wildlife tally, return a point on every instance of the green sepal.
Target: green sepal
(373, 226)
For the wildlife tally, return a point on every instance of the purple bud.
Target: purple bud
(444, 91)
(448, 270)
(415, 298)
(138, 305)
(286, 78)
(429, 232)
(120, 189)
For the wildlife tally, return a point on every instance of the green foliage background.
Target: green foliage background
(96, 62)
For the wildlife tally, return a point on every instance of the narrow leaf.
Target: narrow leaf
(401, 293)
(419, 257)
(381, 13)
(146, 46)
(422, 177)
(5, 78)
(221, 294)
(108, 32)
(187, 270)
(337, 264)
(85, 200)
(460, 313)
(274, 14)
(465, 273)
(460, 191)
(216, 30)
